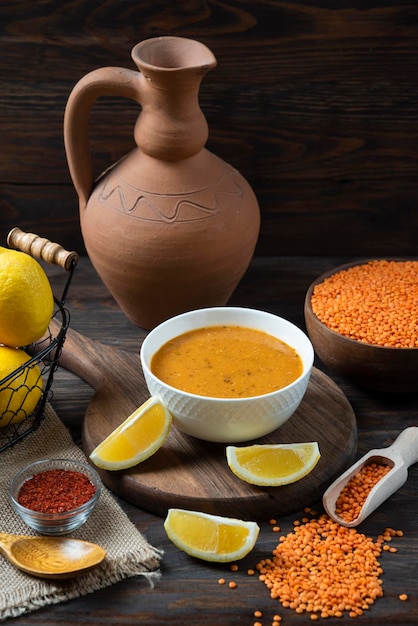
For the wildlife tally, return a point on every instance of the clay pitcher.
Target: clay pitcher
(170, 227)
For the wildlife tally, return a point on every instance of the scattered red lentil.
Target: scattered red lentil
(272, 522)
(250, 572)
(353, 496)
(403, 597)
(276, 529)
(56, 491)
(258, 614)
(221, 581)
(374, 302)
(232, 585)
(234, 568)
(325, 569)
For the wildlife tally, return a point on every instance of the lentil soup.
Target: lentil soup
(227, 362)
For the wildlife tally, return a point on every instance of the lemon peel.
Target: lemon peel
(20, 394)
(26, 299)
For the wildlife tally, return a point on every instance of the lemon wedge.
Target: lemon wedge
(210, 537)
(273, 465)
(136, 439)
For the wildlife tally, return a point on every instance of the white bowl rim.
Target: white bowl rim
(307, 365)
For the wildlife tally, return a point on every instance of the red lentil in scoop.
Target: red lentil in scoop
(376, 303)
(355, 493)
(56, 491)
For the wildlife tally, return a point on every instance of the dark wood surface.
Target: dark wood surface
(188, 592)
(315, 102)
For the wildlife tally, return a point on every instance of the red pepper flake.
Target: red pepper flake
(56, 491)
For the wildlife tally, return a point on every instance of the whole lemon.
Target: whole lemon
(26, 299)
(19, 395)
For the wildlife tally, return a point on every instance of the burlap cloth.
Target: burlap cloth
(128, 552)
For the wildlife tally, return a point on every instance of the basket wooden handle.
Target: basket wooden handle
(41, 248)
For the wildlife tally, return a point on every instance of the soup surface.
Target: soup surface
(227, 362)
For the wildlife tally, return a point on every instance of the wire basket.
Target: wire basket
(36, 375)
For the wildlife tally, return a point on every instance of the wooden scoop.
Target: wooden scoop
(399, 456)
(51, 557)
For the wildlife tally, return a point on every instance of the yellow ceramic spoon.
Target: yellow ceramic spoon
(51, 557)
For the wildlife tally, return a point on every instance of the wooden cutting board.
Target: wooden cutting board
(193, 474)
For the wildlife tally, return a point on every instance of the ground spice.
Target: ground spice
(56, 491)
(374, 302)
(325, 569)
(353, 496)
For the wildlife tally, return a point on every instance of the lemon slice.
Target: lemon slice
(273, 465)
(136, 439)
(210, 537)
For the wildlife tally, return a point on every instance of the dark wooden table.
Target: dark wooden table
(188, 591)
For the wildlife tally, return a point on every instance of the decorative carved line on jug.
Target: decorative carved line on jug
(170, 208)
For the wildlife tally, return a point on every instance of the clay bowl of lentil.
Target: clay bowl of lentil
(362, 319)
(55, 496)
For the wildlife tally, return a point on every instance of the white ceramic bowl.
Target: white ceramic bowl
(228, 420)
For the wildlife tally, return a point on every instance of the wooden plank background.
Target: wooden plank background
(315, 102)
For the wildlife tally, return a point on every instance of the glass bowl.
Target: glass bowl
(55, 523)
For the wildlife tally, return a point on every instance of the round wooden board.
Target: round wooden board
(193, 474)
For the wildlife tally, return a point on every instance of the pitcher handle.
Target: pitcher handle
(105, 81)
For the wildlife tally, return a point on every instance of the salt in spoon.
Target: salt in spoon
(51, 557)
(399, 456)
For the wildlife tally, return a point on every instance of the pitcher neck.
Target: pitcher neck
(171, 125)
(173, 61)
